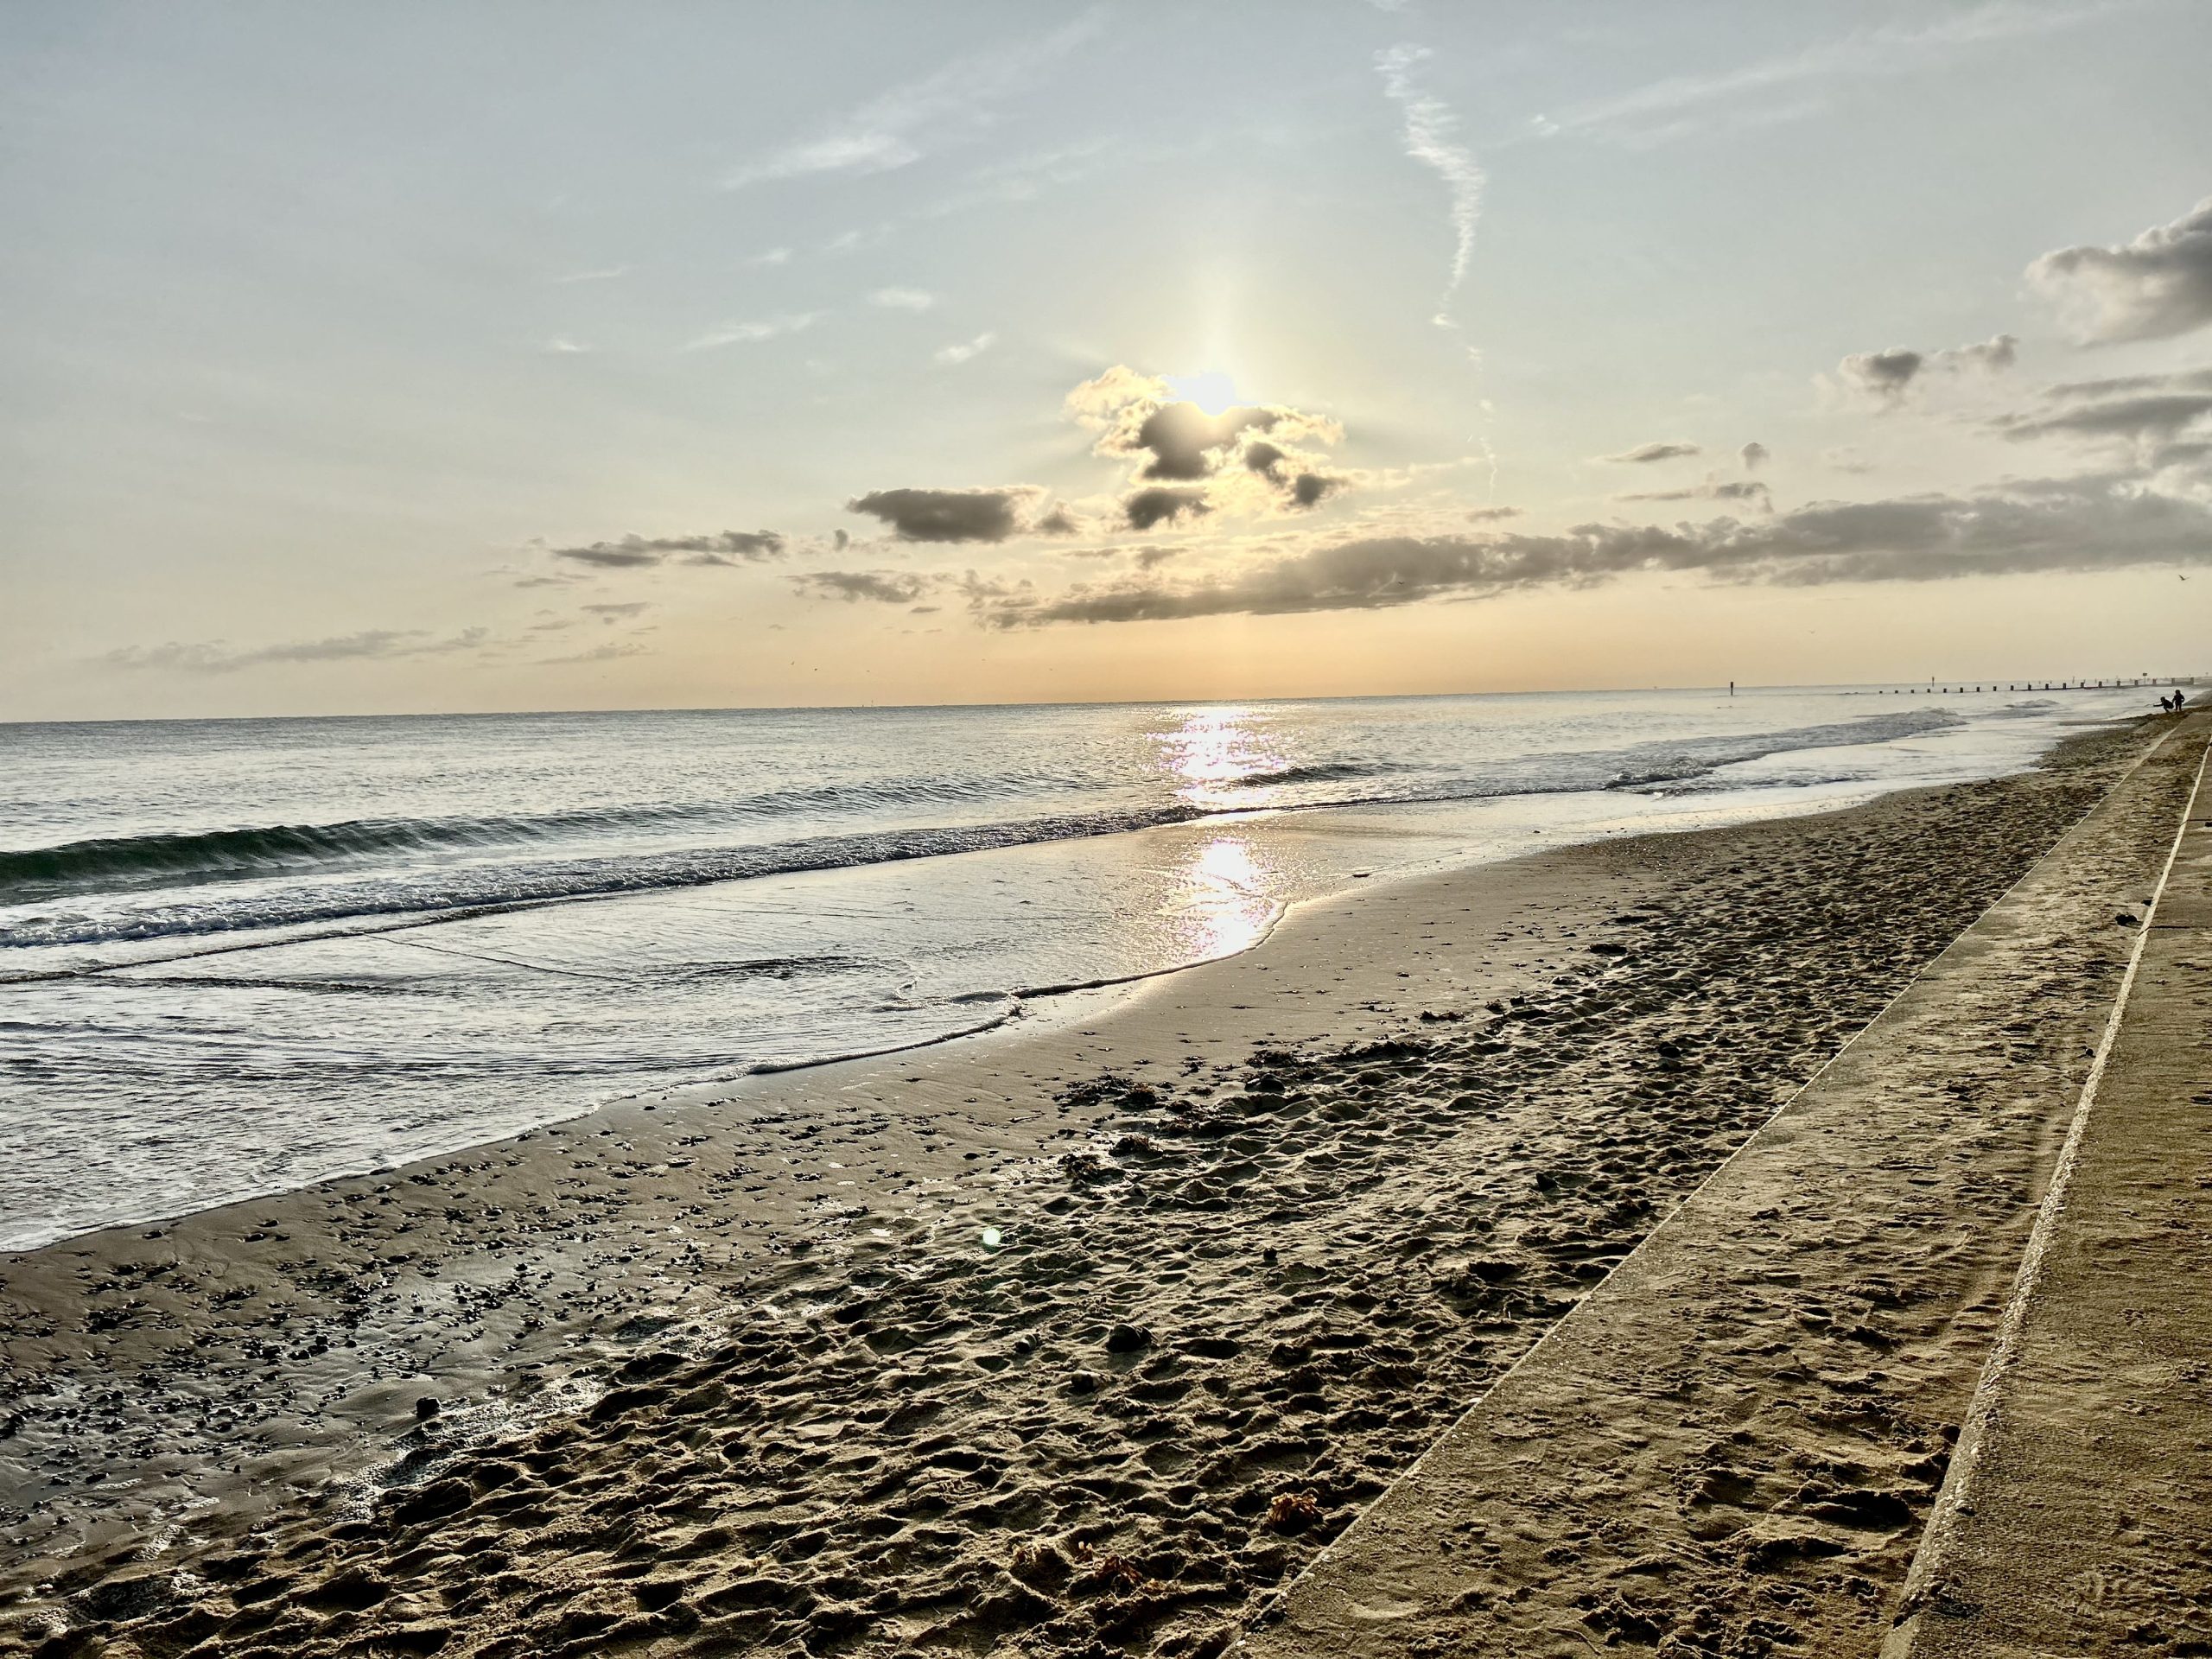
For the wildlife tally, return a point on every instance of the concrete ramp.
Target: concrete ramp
(1733, 1446)
(2077, 1518)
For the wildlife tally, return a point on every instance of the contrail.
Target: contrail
(1429, 129)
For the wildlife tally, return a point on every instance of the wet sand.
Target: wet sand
(1083, 1338)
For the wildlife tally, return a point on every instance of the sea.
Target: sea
(239, 957)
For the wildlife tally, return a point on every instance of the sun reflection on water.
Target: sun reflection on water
(1227, 895)
(1210, 751)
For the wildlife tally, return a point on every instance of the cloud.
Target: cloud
(2155, 416)
(899, 127)
(963, 351)
(1992, 356)
(1886, 376)
(636, 552)
(880, 587)
(1491, 515)
(1143, 509)
(902, 299)
(562, 346)
(2084, 524)
(1183, 438)
(1183, 462)
(213, 656)
(962, 515)
(1644, 453)
(1734, 489)
(607, 274)
(1881, 375)
(1245, 459)
(615, 612)
(2155, 287)
(1754, 455)
(2149, 410)
(745, 333)
(612, 650)
(2177, 380)
(1794, 83)
(1430, 126)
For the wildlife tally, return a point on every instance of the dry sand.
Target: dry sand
(749, 1375)
(1732, 1447)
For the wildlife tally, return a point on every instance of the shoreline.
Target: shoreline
(1025, 1131)
(1476, 844)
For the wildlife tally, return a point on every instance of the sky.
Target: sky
(423, 358)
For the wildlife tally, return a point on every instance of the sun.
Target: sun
(1213, 391)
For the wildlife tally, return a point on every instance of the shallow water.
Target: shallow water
(238, 957)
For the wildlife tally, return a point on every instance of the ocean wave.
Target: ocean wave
(1329, 771)
(119, 868)
(1662, 768)
(487, 890)
(192, 858)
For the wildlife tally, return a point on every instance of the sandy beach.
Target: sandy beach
(1082, 1336)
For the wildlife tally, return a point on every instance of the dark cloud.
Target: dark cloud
(1882, 375)
(1058, 522)
(213, 656)
(2181, 380)
(1732, 489)
(635, 552)
(976, 515)
(2157, 286)
(615, 612)
(2146, 410)
(1145, 508)
(879, 587)
(2082, 523)
(2138, 418)
(1754, 455)
(1186, 442)
(1185, 461)
(1491, 515)
(1644, 453)
(610, 555)
(1885, 377)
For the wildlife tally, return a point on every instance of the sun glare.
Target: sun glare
(1212, 390)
